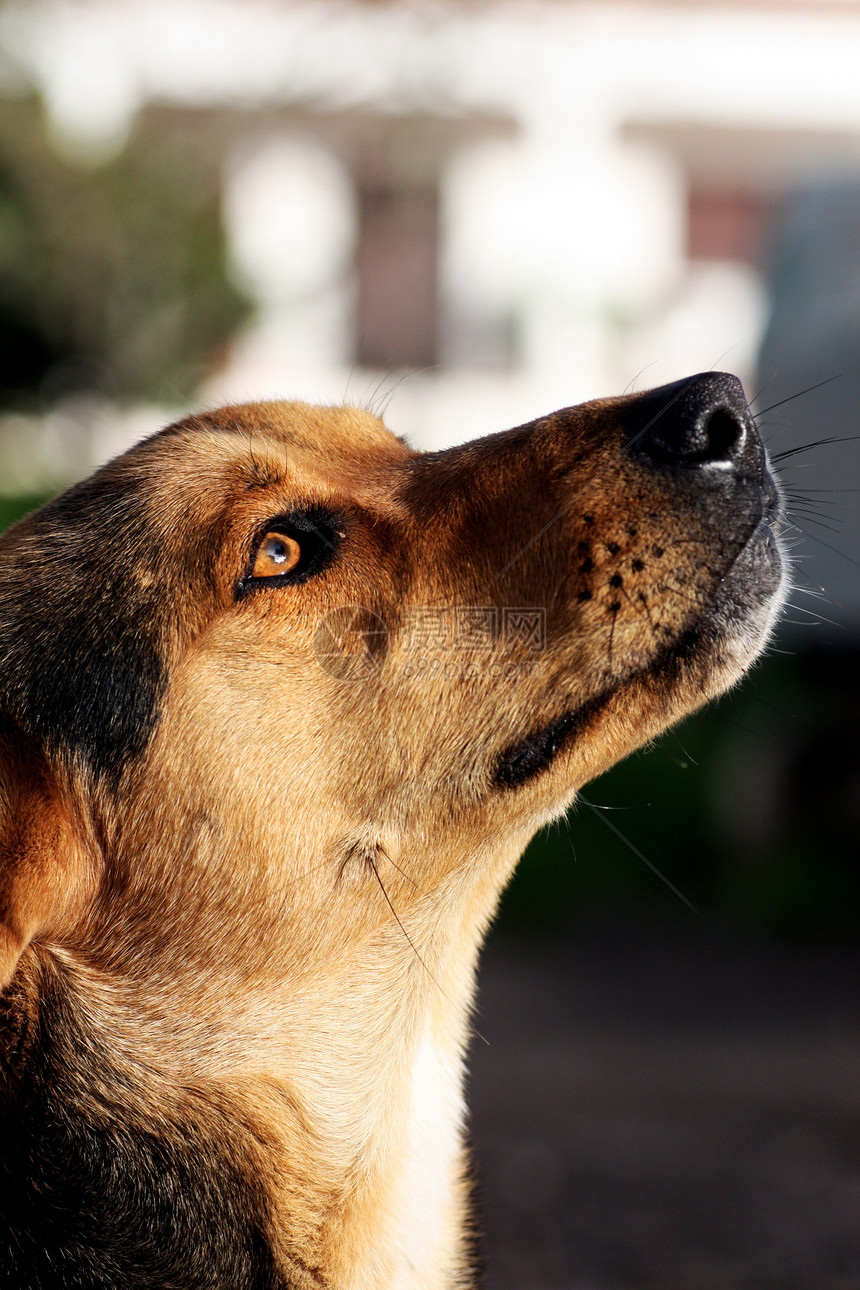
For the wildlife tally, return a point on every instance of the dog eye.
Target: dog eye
(291, 548)
(277, 554)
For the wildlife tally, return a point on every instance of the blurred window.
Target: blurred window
(727, 224)
(396, 264)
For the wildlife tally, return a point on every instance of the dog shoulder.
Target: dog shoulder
(92, 1199)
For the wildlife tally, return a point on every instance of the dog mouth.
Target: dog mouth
(528, 758)
(698, 440)
(751, 589)
(525, 760)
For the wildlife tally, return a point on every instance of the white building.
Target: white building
(470, 213)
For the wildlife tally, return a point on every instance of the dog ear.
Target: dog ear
(39, 863)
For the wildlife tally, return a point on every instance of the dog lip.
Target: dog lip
(770, 510)
(529, 757)
(522, 761)
(772, 497)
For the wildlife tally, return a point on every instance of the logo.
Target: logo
(351, 643)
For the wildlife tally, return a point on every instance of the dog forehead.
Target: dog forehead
(198, 467)
(296, 434)
(314, 428)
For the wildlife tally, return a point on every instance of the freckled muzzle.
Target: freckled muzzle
(699, 433)
(685, 564)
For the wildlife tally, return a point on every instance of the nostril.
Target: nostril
(723, 434)
(702, 421)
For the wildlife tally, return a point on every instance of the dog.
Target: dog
(282, 701)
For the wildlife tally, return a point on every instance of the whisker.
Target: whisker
(644, 603)
(690, 758)
(611, 635)
(407, 376)
(641, 372)
(835, 549)
(755, 398)
(810, 498)
(800, 393)
(809, 518)
(402, 872)
(638, 853)
(601, 806)
(819, 618)
(814, 443)
(399, 923)
(181, 397)
(373, 391)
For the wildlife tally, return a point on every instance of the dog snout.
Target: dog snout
(702, 421)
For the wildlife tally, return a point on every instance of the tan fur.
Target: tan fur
(273, 918)
(46, 878)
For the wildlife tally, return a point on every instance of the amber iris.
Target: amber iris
(277, 554)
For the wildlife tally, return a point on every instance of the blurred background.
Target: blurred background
(464, 215)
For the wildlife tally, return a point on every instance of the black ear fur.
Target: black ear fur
(81, 660)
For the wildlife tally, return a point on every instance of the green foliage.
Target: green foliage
(111, 277)
(750, 810)
(13, 508)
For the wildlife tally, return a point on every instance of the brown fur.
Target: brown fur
(245, 879)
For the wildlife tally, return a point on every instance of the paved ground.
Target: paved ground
(668, 1108)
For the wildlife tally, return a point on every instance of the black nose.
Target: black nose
(701, 420)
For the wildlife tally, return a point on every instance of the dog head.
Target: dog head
(272, 660)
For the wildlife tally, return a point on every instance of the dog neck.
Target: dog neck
(351, 1077)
